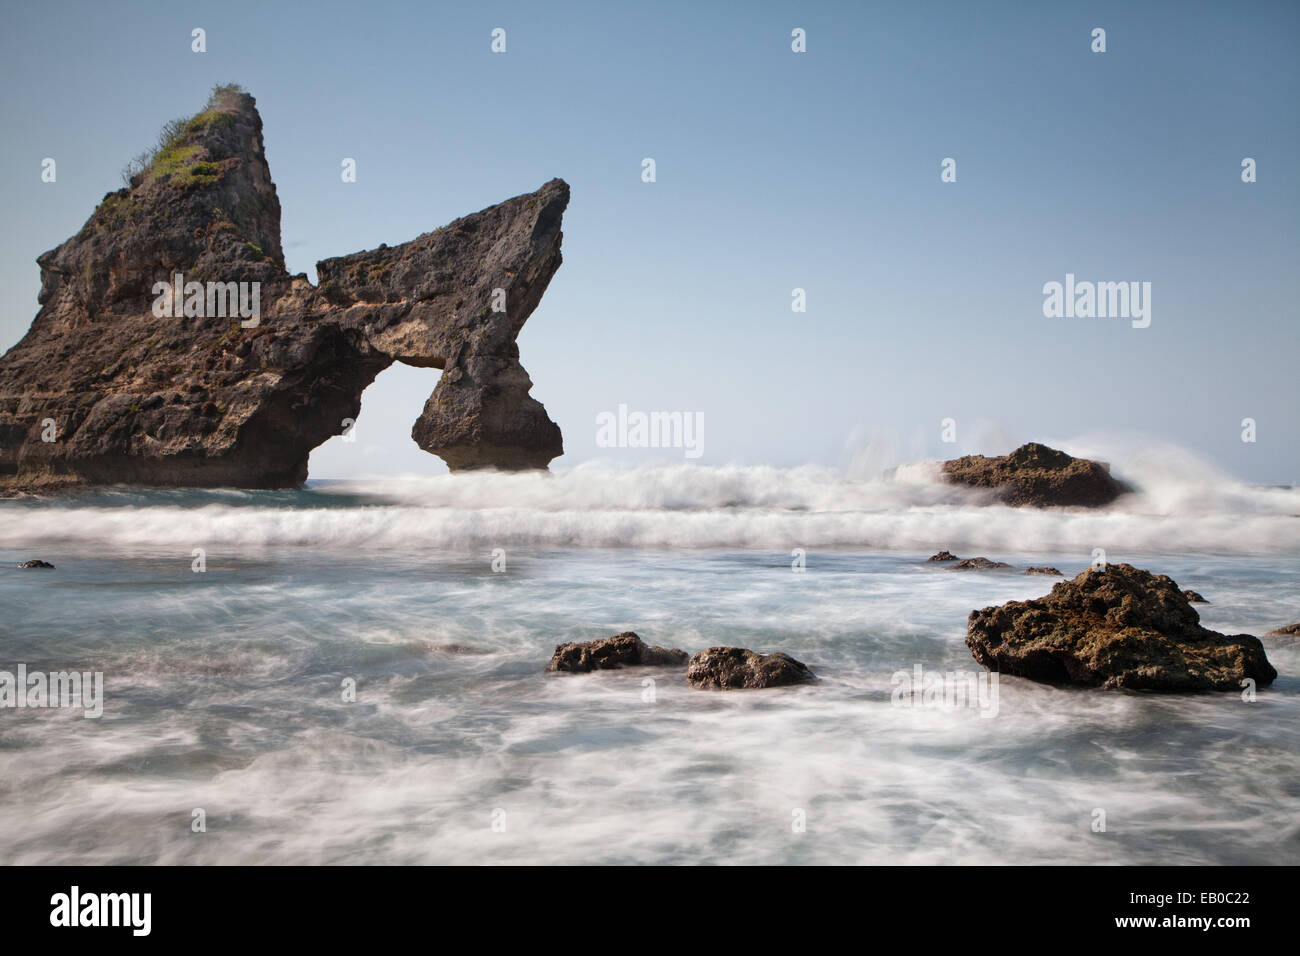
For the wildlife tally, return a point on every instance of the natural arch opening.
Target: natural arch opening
(379, 443)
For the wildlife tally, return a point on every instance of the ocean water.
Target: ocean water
(224, 690)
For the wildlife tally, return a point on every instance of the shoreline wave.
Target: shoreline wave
(666, 506)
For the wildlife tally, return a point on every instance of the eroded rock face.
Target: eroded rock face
(621, 650)
(201, 400)
(1036, 475)
(1117, 626)
(733, 668)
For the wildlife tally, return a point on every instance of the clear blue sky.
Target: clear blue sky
(776, 170)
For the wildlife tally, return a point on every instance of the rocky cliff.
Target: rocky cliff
(120, 379)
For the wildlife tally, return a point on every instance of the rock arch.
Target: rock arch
(219, 400)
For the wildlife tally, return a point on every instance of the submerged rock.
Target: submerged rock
(206, 395)
(1116, 626)
(943, 556)
(1194, 598)
(36, 563)
(1291, 630)
(1044, 570)
(977, 564)
(1036, 475)
(729, 668)
(621, 650)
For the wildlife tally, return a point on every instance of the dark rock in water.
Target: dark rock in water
(1291, 630)
(977, 564)
(36, 563)
(1044, 570)
(1034, 474)
(621, 650)
(728, 668)
(943, 556)
(1194, 598)
(206, 398)
(1116, 626)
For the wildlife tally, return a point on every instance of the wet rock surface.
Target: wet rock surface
(621, 650)
(1117, 626)
(1037, 475)
(733, 668)
(978, 564)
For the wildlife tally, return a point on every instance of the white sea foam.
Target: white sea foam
(1180, 504)
(223, 693)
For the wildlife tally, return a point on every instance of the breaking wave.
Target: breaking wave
(1179, 503)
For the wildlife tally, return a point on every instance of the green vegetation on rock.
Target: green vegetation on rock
(176, 160)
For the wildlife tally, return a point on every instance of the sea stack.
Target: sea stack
(172, 346)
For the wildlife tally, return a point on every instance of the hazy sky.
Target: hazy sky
(775, 170)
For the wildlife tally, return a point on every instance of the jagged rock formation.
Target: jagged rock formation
(1115, 626)
(621, 650)
(1034, 474)
(734, 668)
(216, 400)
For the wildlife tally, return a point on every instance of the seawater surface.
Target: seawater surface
(224, 689)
